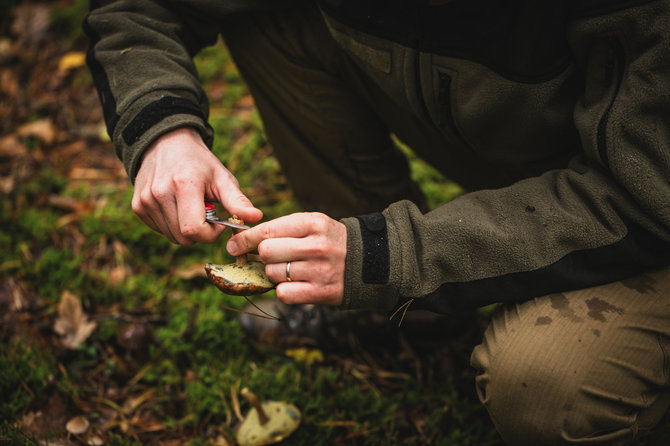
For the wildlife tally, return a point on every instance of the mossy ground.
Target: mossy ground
(66, 226)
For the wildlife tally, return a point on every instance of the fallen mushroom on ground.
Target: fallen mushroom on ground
(267, 422)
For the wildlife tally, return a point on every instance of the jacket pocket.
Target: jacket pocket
(445, 116)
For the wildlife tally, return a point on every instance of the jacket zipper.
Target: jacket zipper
(417, 82)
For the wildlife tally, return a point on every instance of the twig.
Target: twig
(403, 307)
(265, 315)
(236, 403)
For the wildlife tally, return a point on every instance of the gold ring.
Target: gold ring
(288, 271)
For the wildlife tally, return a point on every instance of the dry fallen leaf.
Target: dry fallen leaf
(7, 49)
(71, 322)
(34, 423)
(43, 130)
(73, 59)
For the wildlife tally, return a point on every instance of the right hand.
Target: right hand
(178, 173)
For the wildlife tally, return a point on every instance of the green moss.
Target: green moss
(67, 21)
(11, 435)
(26, 375)
(58, 270)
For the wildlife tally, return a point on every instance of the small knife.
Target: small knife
(211, 217)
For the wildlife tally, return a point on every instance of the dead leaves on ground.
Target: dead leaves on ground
(72, 324)
(49, 111)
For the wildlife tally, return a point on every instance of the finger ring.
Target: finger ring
(288, 271)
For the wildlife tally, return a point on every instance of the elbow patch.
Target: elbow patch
(376, 255)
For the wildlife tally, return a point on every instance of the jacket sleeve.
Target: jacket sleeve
(140, 57)
(604, 217)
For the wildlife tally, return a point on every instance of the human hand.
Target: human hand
(178, 173)
(313, 243)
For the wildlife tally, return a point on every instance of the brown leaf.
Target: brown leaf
(69, 204)
(245, 102)
(43, 130)
(133, 402)
(90, 174)
(120, 270)
(12, 147)
(118, 274)
(7, 50)
(72, 323)
(9, 83)
(12, 297)
(44, 422)
(34, 423)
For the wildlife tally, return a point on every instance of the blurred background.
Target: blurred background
(109, 334)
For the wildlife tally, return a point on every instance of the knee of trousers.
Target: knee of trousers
(550, 379)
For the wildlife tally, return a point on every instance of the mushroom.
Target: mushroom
(77, 425)
(240, 279)
(243, 278)
(268, 422)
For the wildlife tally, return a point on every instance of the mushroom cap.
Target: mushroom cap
(77, 425)
(239, 280)
(283, 419)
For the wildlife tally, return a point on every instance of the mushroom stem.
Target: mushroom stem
(239, 260)
(248, 394)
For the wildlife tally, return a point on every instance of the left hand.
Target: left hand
(316, 246)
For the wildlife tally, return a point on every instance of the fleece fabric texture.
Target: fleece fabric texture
(563, 143)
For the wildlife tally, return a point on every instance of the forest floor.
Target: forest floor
(109, 334)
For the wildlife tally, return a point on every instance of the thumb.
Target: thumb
(232, 199)
(238, 204)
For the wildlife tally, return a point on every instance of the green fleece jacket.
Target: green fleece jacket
(569, 102)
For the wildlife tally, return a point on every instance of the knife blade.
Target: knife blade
(211, 217)
(227, 223)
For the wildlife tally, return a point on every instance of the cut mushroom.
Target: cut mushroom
(240, 279)
(243, 278)
(268, 422)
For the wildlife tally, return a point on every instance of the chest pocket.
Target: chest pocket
(525, 128)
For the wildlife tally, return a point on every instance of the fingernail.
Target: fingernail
(232, 247)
